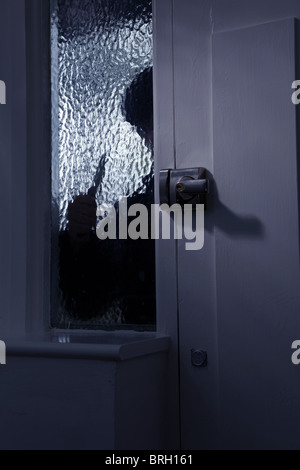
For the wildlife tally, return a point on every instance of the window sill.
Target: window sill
(117, 346)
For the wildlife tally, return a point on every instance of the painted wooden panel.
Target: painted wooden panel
(257, 234)
(235, 14)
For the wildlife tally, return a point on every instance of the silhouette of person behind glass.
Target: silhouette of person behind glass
(112, 279)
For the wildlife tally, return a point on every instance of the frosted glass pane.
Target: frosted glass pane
(102, 130)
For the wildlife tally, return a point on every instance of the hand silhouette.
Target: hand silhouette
(82, 218)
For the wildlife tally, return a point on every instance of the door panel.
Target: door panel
(234, 63)
(257, 234)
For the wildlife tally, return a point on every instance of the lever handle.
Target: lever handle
(192, 187)
(184, 186)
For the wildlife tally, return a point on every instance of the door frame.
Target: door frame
(34, 283)
(38, 200)
(166, 250)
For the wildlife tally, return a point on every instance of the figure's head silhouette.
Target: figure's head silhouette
(138, 105)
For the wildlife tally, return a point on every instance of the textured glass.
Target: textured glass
(102, 150)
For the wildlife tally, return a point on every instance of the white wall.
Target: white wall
(70, 404)
(13, 166)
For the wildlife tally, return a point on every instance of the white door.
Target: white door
(224, 71)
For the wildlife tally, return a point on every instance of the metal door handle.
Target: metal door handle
(192, 187)
(184, 186)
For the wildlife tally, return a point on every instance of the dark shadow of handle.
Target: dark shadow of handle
(235, 225)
